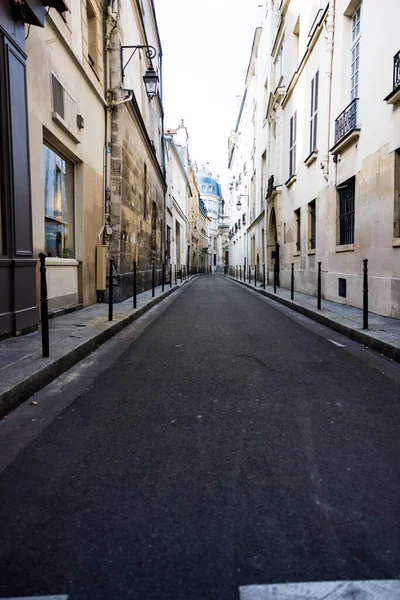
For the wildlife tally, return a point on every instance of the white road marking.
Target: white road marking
(384, 589)
(337, 344)
(37, 598)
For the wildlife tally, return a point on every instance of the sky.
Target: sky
(206, 51)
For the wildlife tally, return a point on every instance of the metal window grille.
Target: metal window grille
(314, 112)
(346, 212)
(298, 225)
(312, 224)
(292, 145)
(342, 287)
(396, 70)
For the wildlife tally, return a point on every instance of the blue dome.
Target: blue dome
(208, 185)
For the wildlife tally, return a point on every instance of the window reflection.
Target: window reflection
(58, 201)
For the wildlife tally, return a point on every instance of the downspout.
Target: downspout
(330, 31)
(163, 154)
(111, 24)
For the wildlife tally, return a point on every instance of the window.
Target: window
(154, 228)
(168, 249)
(312, 225)
(396, 218)
(264, 182)
(355, 52)
(298, 224)
(92, 35)
(342, 291)
(346, 212)
(145, 192)
(279, 65)
(59, 204)
(296, 45)
(314, 112)
(292, 145)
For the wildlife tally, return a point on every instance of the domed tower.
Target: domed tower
(211, 194)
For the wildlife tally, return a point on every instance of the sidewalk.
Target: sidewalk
(73, 336)
(383, 334)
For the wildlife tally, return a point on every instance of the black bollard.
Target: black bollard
(255, 276)
(176, 276)
(170, 276)
(210, 268)
(153, 281)
(264, 277)
(319, 286)
(365, 295)
(111, 291)
(292, 284)
(163, 277)
(44, 307)
(134, 284)
(249, 273)
(181, 274)
(275, 269)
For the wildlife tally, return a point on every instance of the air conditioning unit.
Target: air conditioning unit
(64, 110)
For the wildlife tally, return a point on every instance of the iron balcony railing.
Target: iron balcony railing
(346, 121)
(396, 70)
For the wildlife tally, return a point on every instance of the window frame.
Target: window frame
(297, 216)
(346, 211)
(69, 223)
(312, 211)
(355, 36)
(292, 144)
(314, 112)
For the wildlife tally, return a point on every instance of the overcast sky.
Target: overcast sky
(206, 50)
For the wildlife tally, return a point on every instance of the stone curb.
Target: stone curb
(21, 391)
(385, 348)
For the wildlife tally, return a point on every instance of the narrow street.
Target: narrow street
(233, 444)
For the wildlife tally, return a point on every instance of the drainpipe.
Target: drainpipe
(163, 153)
(111, 24)
(329, 36)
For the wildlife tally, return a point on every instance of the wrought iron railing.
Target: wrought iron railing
(346, 121)
(396, 70)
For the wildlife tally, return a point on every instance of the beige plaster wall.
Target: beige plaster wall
(47, 53)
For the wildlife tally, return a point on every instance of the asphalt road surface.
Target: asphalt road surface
(231, 444)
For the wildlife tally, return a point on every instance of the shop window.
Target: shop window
(59, 204)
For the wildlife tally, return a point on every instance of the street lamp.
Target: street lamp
(239, 204)
(151, 82)
(150, 78)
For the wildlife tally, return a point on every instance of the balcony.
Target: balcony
(394, 96)
(346, 130)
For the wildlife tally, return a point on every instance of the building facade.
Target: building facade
(66, 100)
(211, 195)
(135, 212)
(177, 201)
(18, 309)
(328, 145)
